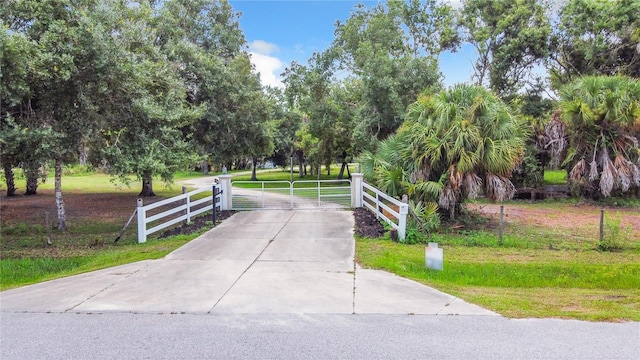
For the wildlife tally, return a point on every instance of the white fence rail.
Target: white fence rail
(336, 194)
(178, 209)
(392, 211)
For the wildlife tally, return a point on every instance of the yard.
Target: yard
(549, 264)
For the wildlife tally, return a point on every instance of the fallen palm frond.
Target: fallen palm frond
(608, 177)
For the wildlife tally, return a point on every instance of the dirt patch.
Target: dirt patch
(31, 209)
(576, 219)
(366, 224)
(94, 221)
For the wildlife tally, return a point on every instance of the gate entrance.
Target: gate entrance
(286, 195)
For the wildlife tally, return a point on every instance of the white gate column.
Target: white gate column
(225, 186)
(356, 190)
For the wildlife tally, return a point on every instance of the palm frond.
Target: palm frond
(426, 214)
(427, 189)
(608, 177)
(593, 171)
(472, 184)
(447, 198)
(636, 174)
(498, 188)
(577, 173)
(455, 178)
(624, 169)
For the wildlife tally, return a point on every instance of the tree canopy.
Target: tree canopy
(452, 145)
(602, 116)
(145, 88)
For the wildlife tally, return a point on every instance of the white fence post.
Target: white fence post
(188, 202)
(225, 198)
(356, 190)
(142, 226)
(402, 221)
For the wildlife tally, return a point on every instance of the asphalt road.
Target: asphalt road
(270, 285)
(296, 336)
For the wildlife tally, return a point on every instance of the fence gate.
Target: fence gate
(304, 194)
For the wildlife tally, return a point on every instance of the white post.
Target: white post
(188, 203)
(402, 221)
(291, 194)
(225, 187)
(356, 190)
(142, 226)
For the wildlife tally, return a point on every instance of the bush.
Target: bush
(614, 233)
(77, 170)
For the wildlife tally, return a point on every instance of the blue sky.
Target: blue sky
(279, 32)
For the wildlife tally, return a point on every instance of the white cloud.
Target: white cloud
(456, 4)
(269, 68)
(263, 47)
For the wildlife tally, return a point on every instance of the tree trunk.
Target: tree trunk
(33, 174)
(253, 169)
(341, 173)
(62, 216)
(328, 166)
(147, 184)
(205, 167)
(300, 163)
(83, 154)
(9, 179)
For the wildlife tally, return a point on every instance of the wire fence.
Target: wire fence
(98, 218)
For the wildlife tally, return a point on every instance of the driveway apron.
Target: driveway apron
(277, 261)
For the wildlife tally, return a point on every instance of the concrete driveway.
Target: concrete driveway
(299, 262)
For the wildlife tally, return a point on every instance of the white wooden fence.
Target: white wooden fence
(385, 207)
(182, 204)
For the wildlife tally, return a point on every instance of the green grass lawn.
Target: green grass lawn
(103, 183)
(555, 177)
(285, 174)
(518, 283)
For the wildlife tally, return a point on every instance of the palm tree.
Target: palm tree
(602, 116)
(455, 143)
(386, 167)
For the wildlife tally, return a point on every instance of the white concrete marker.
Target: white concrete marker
(434, 256)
